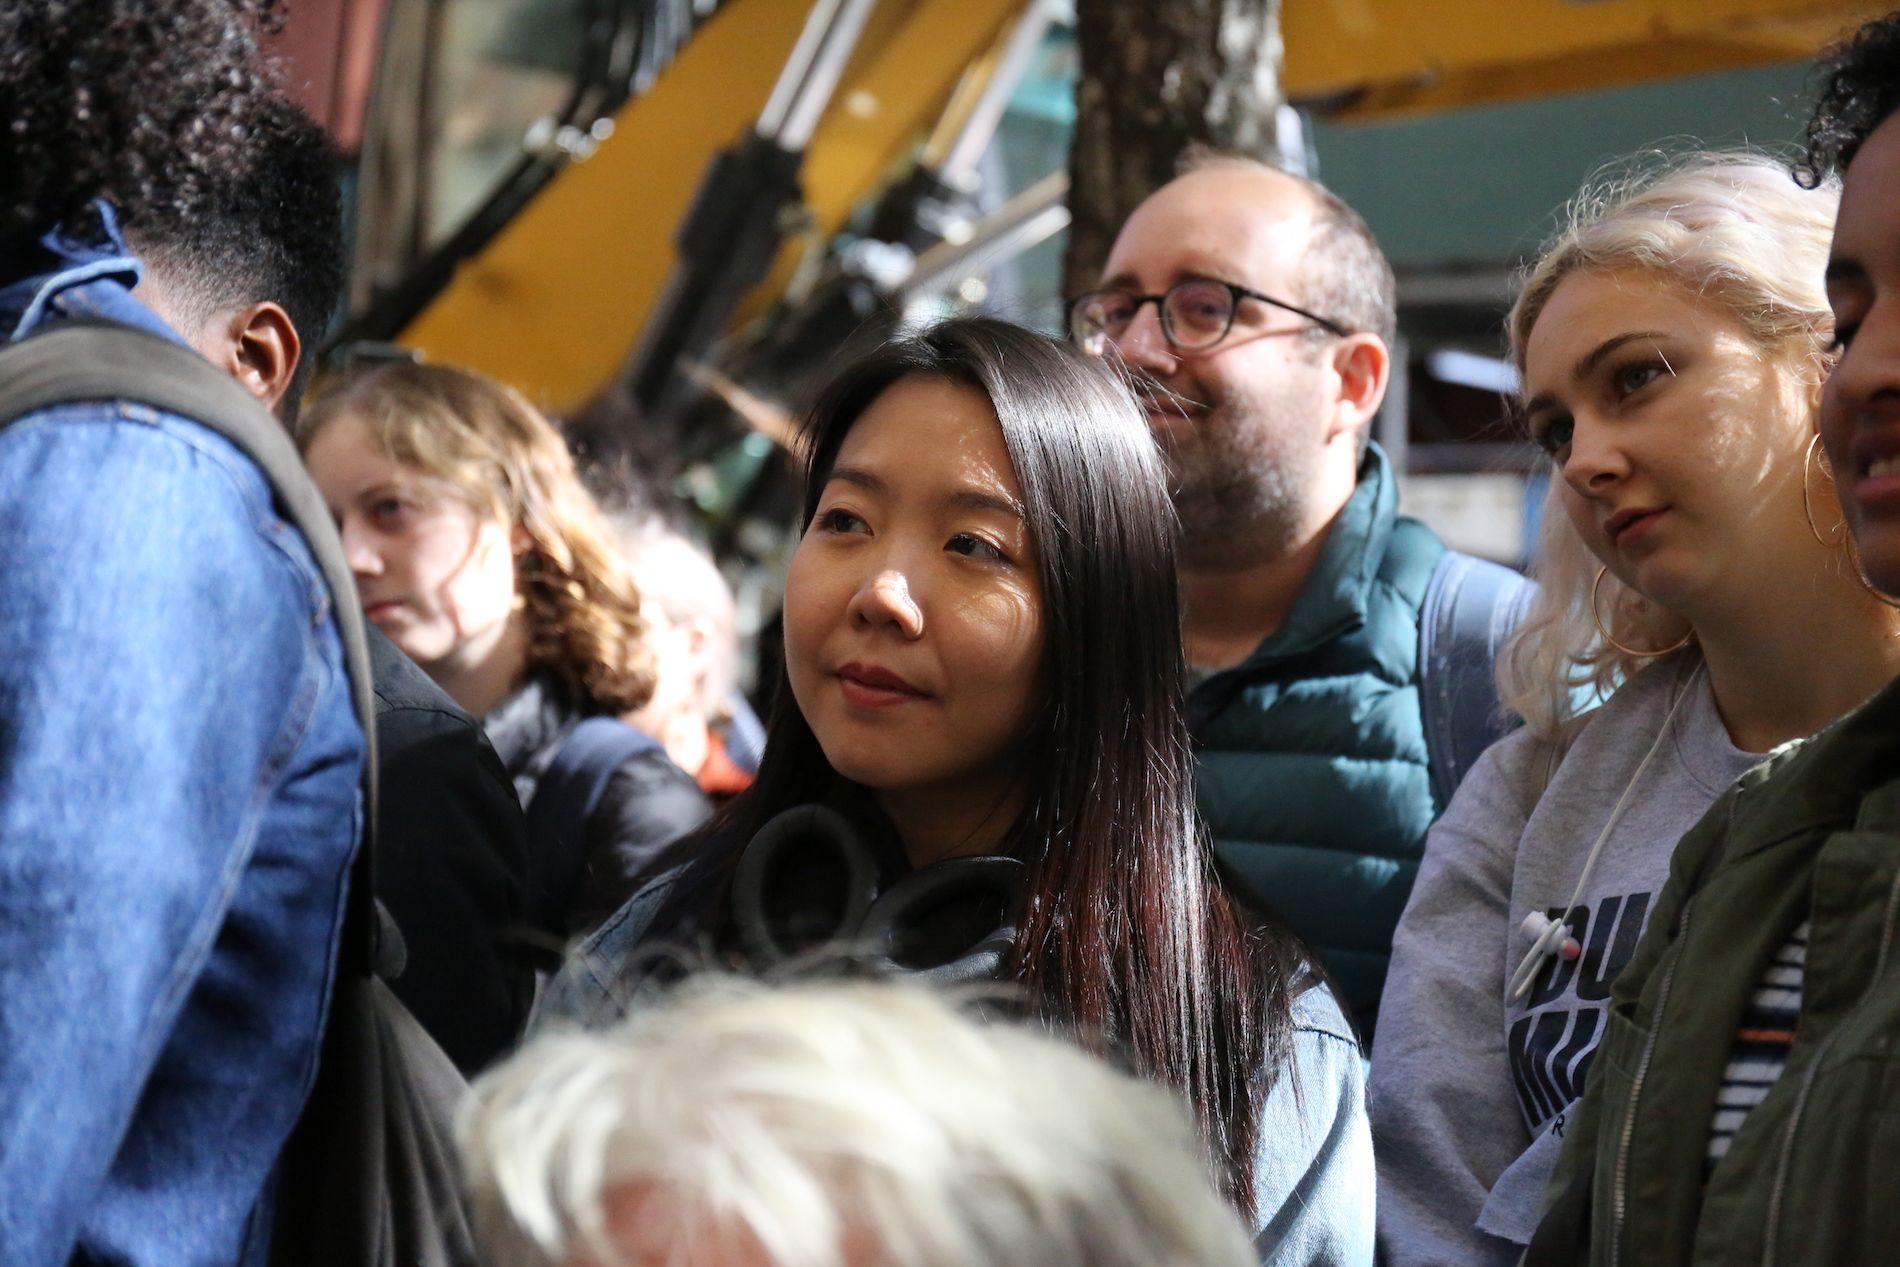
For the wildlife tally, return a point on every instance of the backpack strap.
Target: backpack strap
(1470, 605)
(565, 797)
(82, 362)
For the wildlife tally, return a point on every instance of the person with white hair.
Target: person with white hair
(692, 631)
(838, 1123)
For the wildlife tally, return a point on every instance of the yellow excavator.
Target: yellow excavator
(573, 194)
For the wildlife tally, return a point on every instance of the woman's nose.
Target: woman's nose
(885, 599)
(1867, 377)
(359, 553)
(1595, 460)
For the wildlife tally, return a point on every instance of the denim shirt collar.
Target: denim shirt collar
(81, 271)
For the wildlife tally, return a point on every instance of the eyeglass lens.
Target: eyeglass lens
(1194, 314)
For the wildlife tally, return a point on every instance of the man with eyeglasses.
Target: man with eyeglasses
(1254, 313)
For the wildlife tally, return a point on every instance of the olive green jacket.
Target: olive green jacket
(1813, 1176)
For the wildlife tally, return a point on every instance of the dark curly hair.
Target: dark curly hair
(154, 104)
(277, 235)
(1860, 87)
(170, 110)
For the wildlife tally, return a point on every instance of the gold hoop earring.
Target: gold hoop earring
(1595, 591)
(1846, 540)
(1807, 498)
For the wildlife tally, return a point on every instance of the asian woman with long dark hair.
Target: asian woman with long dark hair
(978, 767)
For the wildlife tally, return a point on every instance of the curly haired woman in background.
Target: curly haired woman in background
(478, 552)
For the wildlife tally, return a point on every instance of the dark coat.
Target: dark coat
(451, 859)
(1312, 772)
(649, 804)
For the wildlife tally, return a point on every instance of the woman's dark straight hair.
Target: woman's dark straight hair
(1126, 931)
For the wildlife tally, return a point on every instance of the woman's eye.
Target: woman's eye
(1844, 335)
(1633, 378)
(836, 520)
(387, 511)
(972, 546)
(1552, 435)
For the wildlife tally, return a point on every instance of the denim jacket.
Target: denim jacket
(179, 765)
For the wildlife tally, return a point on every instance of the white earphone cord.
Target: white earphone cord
(1550, 934)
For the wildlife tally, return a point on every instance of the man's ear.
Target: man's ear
(1363, 367)
(260, 350)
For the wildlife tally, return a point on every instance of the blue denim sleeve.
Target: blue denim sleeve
(1313, 1176)
(163, 670)
(599, 976)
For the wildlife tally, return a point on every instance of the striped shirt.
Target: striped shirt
(1761, 1043)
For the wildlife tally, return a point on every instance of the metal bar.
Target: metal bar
(959, 164)
(808, 103)
(1474, 457)
(1294, 140)
(1031, 217)
(797, 66)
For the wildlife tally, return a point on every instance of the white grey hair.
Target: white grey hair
(810, 1120)
(680, 576)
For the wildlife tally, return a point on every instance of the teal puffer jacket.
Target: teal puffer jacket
(1312, 770)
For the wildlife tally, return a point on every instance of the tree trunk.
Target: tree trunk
(1155, 77)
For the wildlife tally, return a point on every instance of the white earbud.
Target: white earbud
(1537, 925)
(1548, 936)
(1551, 936)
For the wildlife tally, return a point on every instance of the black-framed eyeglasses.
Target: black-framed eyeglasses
(1196, 314)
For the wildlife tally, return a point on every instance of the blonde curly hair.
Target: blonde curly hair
(1730, 227)
(505, 458)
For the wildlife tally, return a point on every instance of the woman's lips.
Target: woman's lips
(1873, 452)
(382, 609)
(1626, 528)
(869, 686)
(1878, 487)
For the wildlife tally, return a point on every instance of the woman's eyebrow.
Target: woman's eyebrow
(1587, 363)
(967, 498)
(1595, 357)
(858, 477)
(977, 499)
(1538, 404)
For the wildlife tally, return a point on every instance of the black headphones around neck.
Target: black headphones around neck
(890, 928)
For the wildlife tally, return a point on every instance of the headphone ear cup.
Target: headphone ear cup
(980, 884)
(796, 841)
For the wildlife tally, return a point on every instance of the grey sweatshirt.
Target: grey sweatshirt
(1470, 1087)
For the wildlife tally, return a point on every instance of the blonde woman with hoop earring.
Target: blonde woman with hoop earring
(1672, 342)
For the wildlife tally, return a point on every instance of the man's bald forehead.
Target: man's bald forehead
(1279, 228)
(1237, 221)
(1256, 185)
